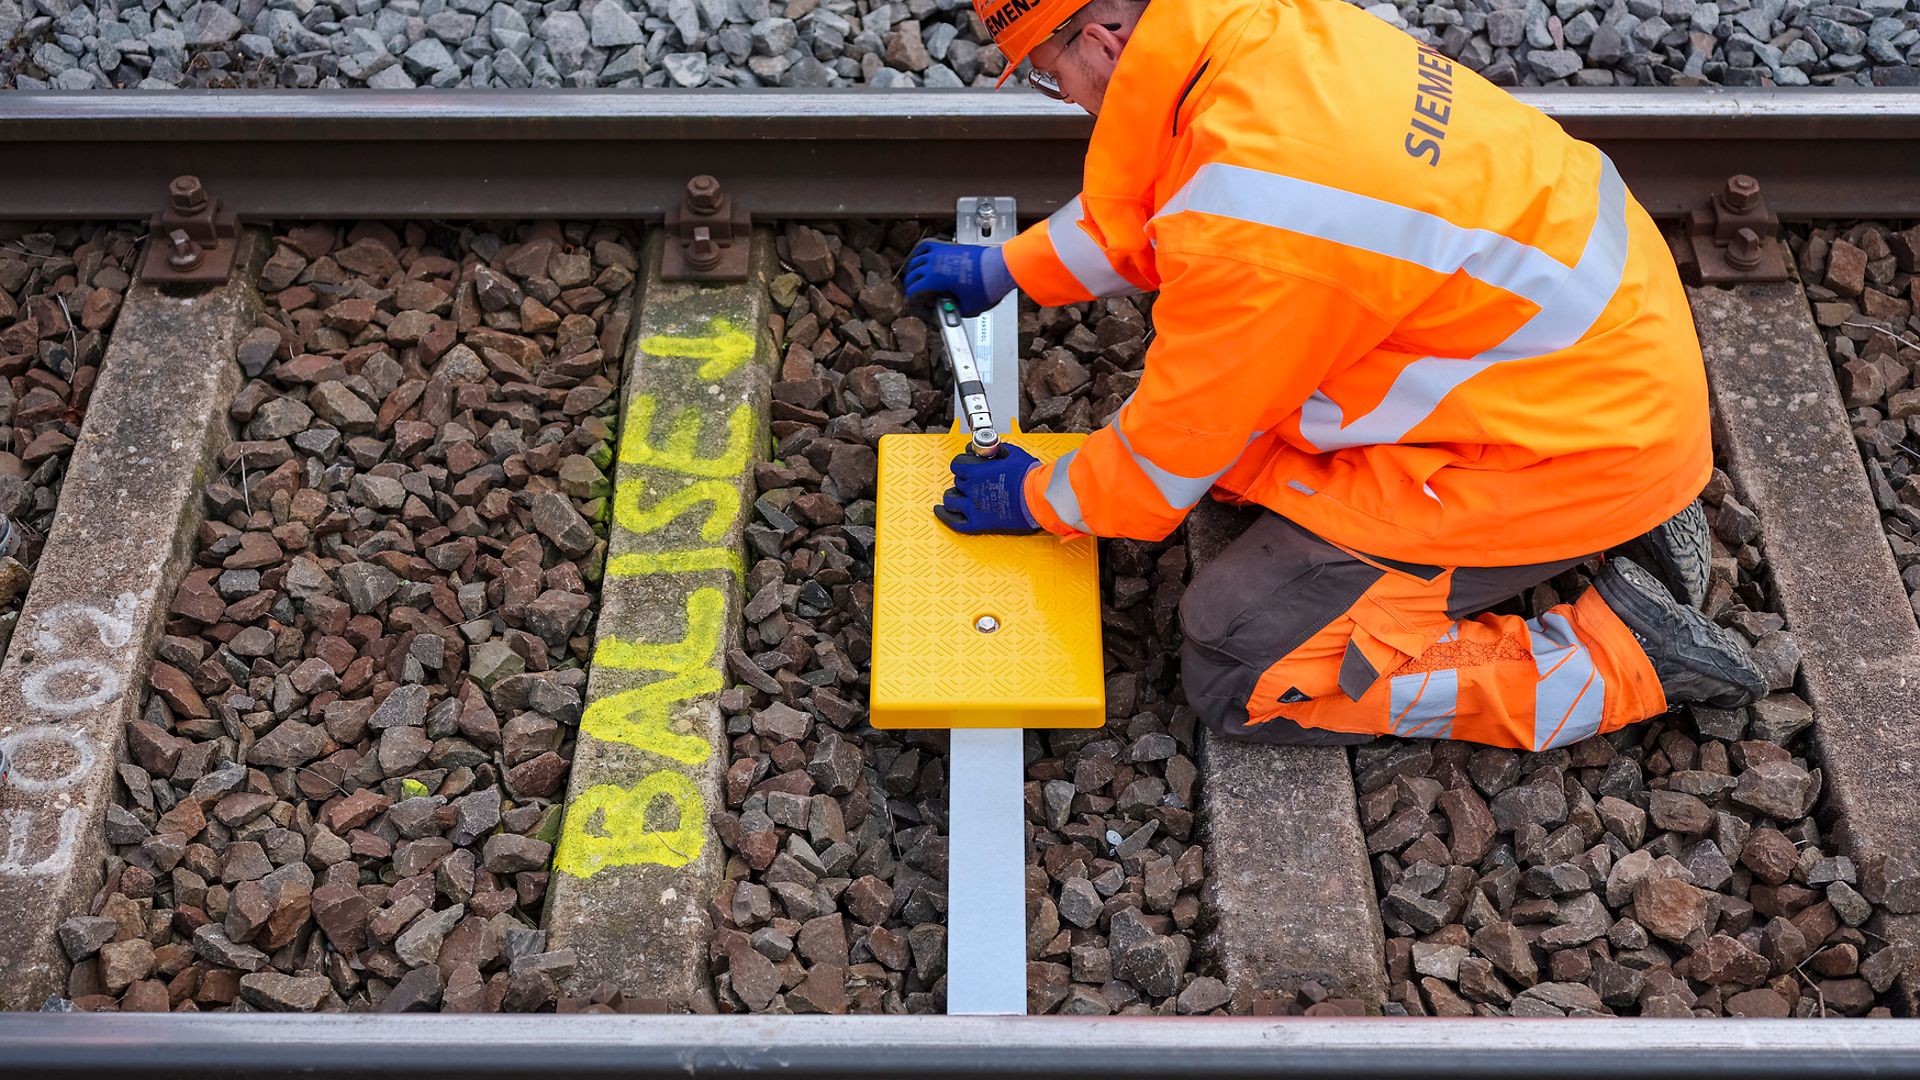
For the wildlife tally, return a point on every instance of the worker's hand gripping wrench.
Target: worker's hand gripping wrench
(966, 378)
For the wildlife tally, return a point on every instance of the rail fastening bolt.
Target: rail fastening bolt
(1743, 251)
(1742, 193)
(703, 194)
(183, 253)
(986, 624)
(189, 197)
(987, 216)
(702, 252)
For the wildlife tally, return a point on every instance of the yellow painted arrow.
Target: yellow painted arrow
(724, 347)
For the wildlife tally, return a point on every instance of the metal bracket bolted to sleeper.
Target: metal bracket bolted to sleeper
(710, 234)
(191, 241)
(1733, 239)
(984, 636)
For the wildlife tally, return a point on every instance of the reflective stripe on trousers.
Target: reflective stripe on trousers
(1568, 701)
(1423, 705)
(1570, 299)
(1282, 628)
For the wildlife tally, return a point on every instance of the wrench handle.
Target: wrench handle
(966, 377)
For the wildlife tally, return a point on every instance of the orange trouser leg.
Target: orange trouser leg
(1498, 679)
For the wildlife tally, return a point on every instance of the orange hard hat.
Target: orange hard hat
(1018, 25)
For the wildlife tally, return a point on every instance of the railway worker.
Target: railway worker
(1428, 331)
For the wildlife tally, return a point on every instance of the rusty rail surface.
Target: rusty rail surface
(816, 154)
(133, 1046)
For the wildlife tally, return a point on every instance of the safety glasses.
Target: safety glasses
(1045, 81)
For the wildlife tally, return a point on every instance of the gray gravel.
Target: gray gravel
(936, 43)
(412, 43)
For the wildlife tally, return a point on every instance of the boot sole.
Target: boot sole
(1678, 553)
(1720, 671)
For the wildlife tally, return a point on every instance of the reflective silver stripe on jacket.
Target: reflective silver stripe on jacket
(1180, 492)
(1570, 299)
(1082, 257)
(1060, 494)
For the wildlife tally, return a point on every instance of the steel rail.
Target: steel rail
(131, 1046)
(839, 153)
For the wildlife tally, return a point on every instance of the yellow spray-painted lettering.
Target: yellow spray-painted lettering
(640, 564)
(607, 826)
(724, 497)
(639, 717)
(679, 451)
(724, 347)
(706, 609)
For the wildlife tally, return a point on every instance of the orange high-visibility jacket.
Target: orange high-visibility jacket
(1396, 305)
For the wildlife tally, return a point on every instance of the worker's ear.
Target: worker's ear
(1107, 40)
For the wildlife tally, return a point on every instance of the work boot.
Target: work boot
(1695, 660)
(1677, 552)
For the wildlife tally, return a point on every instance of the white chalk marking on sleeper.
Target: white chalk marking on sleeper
(19, 822)
(78, 741)
(38, 691)
(114, 628)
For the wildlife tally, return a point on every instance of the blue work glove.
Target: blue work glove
(989, 494)
(975, 275)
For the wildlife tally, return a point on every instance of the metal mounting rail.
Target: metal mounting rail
(809, 154)
(131, 1046)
